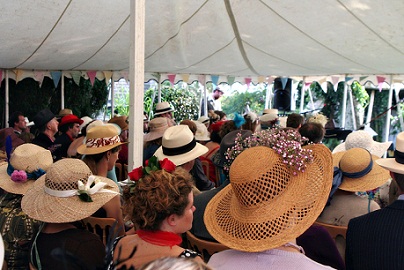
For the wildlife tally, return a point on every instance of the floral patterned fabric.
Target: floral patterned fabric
(17, 230)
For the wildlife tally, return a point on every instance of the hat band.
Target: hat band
(179, 150)
(360, 173)
(399, 156)
(163, 110)
(101, 142)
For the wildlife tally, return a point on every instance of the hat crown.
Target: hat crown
(103, 131)
(65, 174)
(355, 160)
(202, 132)
(120, 121)
(262, 181)
(30, 157)
(177, 136)
(360, 139)
(400, 142)
(70, 118)
(158, 122)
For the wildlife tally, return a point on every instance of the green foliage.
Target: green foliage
(121, 102)
(237, 102)
(360, 94)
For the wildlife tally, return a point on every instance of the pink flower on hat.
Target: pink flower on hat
(19, 176)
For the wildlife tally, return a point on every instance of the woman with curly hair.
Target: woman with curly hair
(161, 208)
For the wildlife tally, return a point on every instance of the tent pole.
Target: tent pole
(159, 90)
(302, 94)
(352, 109)
(136, 75)
(62, 92)
(388, 114)
(399, 112)
(370, 110)
(205, 97)
(112, 97)
(7, 97)
(268, 96)
(344, 101)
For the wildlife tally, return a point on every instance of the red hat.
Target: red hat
(70, 118)
(216, 125)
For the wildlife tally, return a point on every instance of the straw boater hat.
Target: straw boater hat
(363, 139)
(100, 139)
(121, 121)
(33, 160)
(266, 205)
(157, 126)
(395, 164)
(64, 112)
(179, 145)
(163, 107)
(54, 197)
(202, 133)
(204, 119)
(360, 172)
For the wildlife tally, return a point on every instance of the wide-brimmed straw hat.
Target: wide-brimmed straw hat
(266, 205)
(100, 139)
(363, 139)
(202, 133)
(270, 111)
(157, 126)
(121, 121)
(179, 145)
(54, 197)
(32, 160)
(204, 119)
(395, 164)
(360, 172)
(163, 107)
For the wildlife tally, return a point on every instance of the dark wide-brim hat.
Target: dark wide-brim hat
(43, 117)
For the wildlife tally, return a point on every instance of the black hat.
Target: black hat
(43, 117)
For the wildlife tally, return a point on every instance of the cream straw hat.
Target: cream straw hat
(100, 139)
(54, 197)
(395, 164)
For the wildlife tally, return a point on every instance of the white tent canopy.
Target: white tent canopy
(248, 38)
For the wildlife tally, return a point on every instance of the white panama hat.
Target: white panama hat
(395, 164)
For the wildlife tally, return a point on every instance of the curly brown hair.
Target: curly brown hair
(159, 195)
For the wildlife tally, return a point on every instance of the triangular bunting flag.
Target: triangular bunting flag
(380, 81)
(306, 85)
(347, 79)
(247, 82)
(185, 78)
(91, 74)
(215, 79)
(320, 81)
(230, 80)
(284, 81)
(39, 75)
(202, 79)
(108, 76)
(56, 77)
(261, 79)
(362, 78)
(18, 75)
(171, 78)
(76, 75)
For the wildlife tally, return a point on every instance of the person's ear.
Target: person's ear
(172, 220)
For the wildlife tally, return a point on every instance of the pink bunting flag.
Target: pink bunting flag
(247, 82)
(1, 75)
(171, 78)
(38, 76)
(380, 81)
(91, 74)
(306, 85)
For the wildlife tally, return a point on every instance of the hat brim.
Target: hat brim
(229, 221)
(178, 160)
(84, 150)
(377, 148)
(39, 205)
(164, 111)
(374, 179)
(391, 164)
(9, 185)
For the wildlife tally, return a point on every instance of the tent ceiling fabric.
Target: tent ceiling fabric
(246, 38)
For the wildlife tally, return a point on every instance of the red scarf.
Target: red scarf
(160, 238)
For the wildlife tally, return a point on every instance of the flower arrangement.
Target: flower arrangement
(286, 142)
(152, 164)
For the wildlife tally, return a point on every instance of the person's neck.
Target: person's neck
(50, 134)
(19, 130)
(102, 167)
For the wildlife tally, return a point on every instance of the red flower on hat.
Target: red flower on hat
(136, 174)
(167, 165)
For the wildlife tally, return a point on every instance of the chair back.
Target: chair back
(103, 227)
(210, 170)
(205, 248)
(338, 233)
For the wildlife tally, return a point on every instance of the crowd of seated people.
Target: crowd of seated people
(74, 178)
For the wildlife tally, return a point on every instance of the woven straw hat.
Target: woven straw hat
(266, 205)
(395, 164)
(157, 126)
(202, 133)
(163, 107)
(100, 139)
(28, 158)
(363, 139)
(179, 145)
(61, 180)
(356, 160)
(121, 121)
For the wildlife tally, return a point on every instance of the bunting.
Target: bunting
(108, 76)
(270, 80)
(91, 75)
(335, 80)
(261, 79)
(215, 79)
(202, 79)
(284, 81)
(247, 82)
(38, 76)
(76, 75)
(185, 78)
(362, 78)
(56, 77)
(380, 81)
(347, 79)
(171, 78)
(18, 75)
(231, 79)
